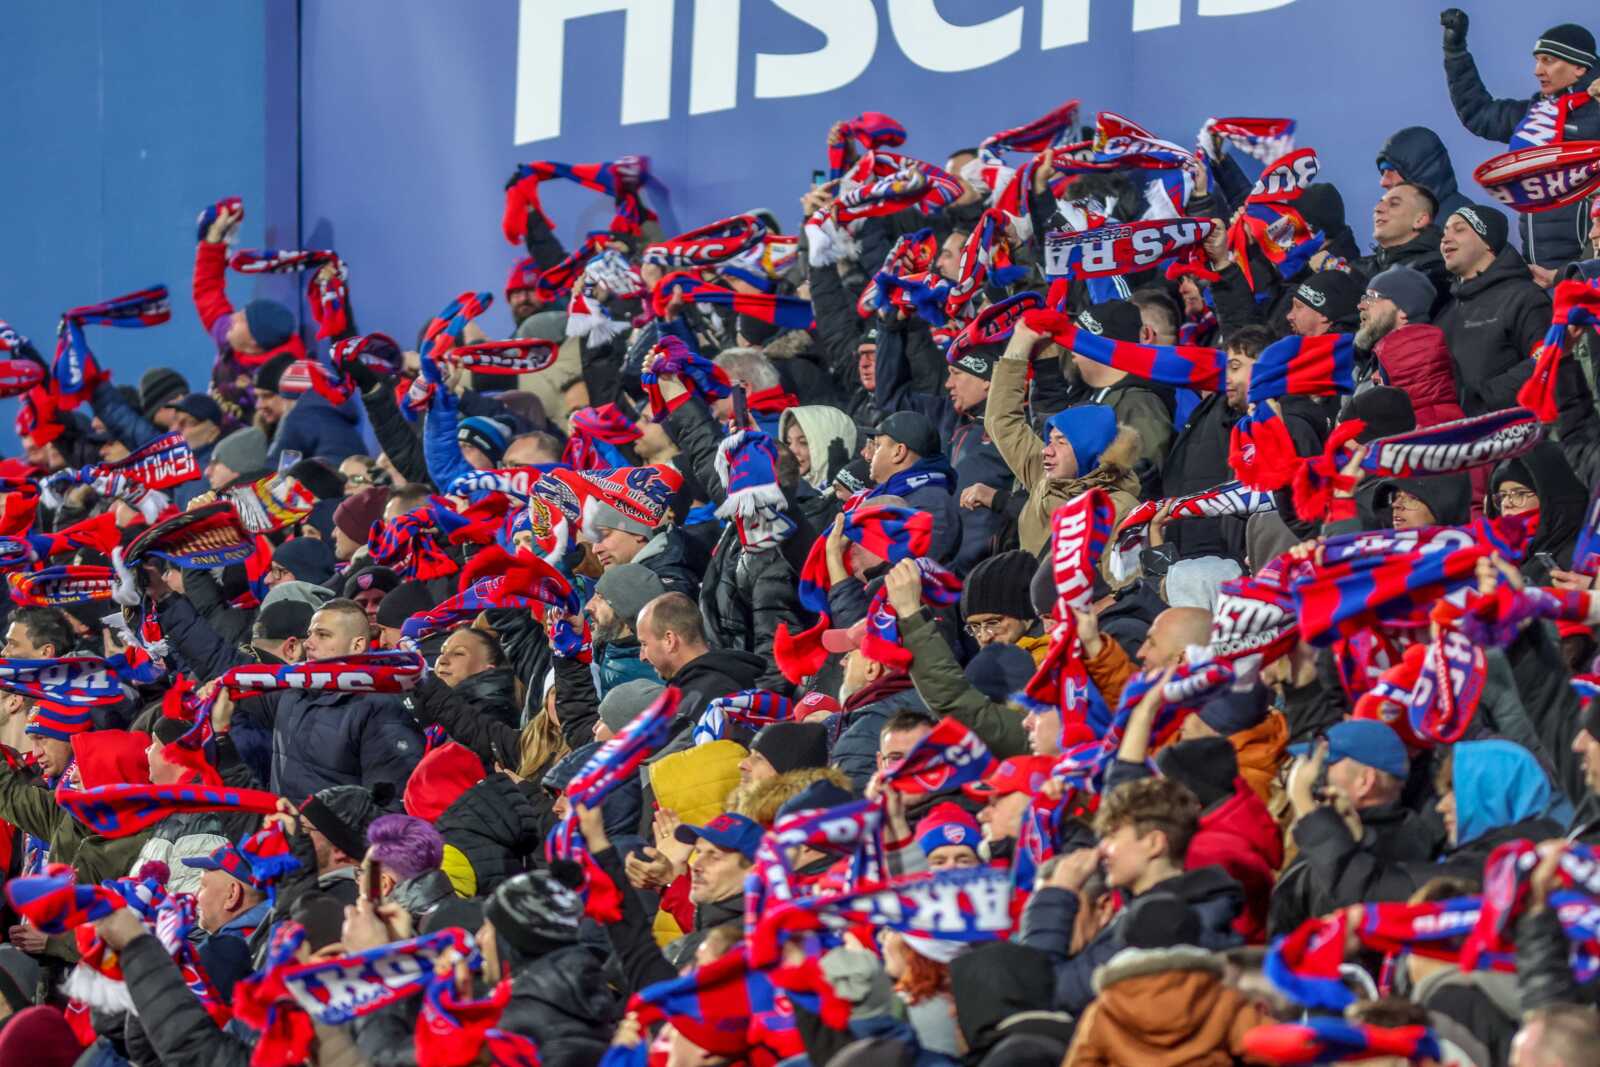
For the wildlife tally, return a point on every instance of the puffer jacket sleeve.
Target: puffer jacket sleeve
(838, 327)
(388, 1037)
(1480, 113)
(946, 691)
(774, 599)
(439, 445)
(691, 429)
(177, 1026)
(490, 740)
(847, 603)
(631, 939)
(395, 435)
(577, 702)
(193, 638)
(390, 745)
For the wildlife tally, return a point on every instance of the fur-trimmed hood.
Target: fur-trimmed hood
(1135, 962)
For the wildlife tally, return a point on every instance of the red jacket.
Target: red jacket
(1416, 359)
(1240, 836)
(210, 289)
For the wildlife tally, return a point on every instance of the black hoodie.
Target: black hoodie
(1491, 326)
(1563, 501)
(1002, 991)
(1422, 159)
(1448, 496)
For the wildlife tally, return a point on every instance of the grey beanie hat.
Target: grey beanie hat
(628, 587)
(599, 516)
(242, 451)
(1408, 287)
(623, 703)
(305, 592)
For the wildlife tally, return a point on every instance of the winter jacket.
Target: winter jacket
(1544, 963)
(1051, 913)
(1109, 670)
(839, 331)
(1023, 453)
(439, 445)
(177, 1027)
(314, 427)
(204, 590)
(1491, 324)
(831, 439)
(746, 592)
(1392, 833)
(1549, 238)
(563, 998)
(493, 693)
(1261, 751)
(322, 738)
(397, 438)
(1166, 1007)
(192, 834)
(1487, 1005)
(1421, 253)
(495, 826)
(863, 717)
(491, 740)
(1199, 461)
(997, 990)
(943, 687)
(1239, 835)
(133, 430)
(1420, 157)
(666, 554)
(714, 674)
(632, 941)
(618, 662)
(33, 810)
(1145, 407)
(968, 447)
(1415, 359)
(422, 894)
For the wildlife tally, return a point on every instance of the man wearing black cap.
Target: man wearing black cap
(1326, 302)
(1496, 318)
(958, 417)
(1563, 62)
(908, 462)
(1138, 403)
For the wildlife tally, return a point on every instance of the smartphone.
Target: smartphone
(818, 177)
(1547, 561)
(371, 881)
(286, 459)
(741, 408)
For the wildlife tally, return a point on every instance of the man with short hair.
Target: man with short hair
(1145, 827)
(323, 738)
(1404, 233)
(619, 537)
(38, 633)
(672, 639)
(230, 902)
(1563, 62)
(908, 462)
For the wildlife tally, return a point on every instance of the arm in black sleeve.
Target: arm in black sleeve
(543, 244)
(894, 373)
(838, 327)
(177, 1026)
(1351, 872)
(205, 592)
(194, 639)
(1543, 967)
(398, 439)
(641, 958)
(1234, 301)
(692, 430)
(577, 703)
(490, 740)
(1480, 113)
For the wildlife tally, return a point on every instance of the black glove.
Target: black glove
(1454, 21)
(365, 377)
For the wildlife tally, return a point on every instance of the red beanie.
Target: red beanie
(40, 1037)
(442, 776)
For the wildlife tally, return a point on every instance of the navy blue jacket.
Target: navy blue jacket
(134, 430)
(315, 427)
(321, 739)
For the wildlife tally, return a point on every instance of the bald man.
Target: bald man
(1109, 666)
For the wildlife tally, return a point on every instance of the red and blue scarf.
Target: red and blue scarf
(1119, 248)
(80, 681)
(747, 465)
(443, 331)
(161, 463)
(1182, 365)
(784, 312)
(1229, 498)
(985, 261)
(620, 179)
(1260, 139)
(207, 537)
(699, 375)
(208, 216)
(881, 642)
(992, 326)
(329, 297)
(749, 708)
(122, 810)
(885, 183)
(1323, 1040)
(870, 129)
(1055, 127)
(506, 358)
(1270, 221)
(1577, 303)
(1542, 177)
(594, 436)
(61, 585)
(1261, 452)
(948, 758)
(709, 245)
(75, 373)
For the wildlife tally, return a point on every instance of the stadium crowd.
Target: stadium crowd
(1084, 600)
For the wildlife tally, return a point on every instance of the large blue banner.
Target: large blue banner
(414, 116)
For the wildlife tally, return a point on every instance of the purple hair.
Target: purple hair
(406, 845)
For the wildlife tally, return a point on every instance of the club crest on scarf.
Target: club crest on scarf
(210, 536)
(949, 757)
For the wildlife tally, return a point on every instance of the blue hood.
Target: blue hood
(1496, 783)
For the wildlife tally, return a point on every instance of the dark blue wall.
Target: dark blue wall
(120, 122)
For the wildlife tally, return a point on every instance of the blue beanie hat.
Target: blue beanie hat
(489, 436)
(271, 324)
(997, 671)
(1088, 428)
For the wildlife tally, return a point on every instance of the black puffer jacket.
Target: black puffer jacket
(1491, 325)
(746, 592)
(1420, 157)
(493, 693)
(1198, 461)
(177, 1027)
(321, 739)
(1550, 238)
(495, 826)
(715, 674)
(564, 1000)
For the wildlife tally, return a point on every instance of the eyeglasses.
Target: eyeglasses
(1369, 296)
(1516, 498)
(991, 628)
(358, 479)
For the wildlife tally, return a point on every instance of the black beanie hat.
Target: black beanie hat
(999, 586)
(1323, 207)
(1385, 409)
(343, 812)
(1116, 319)
(270, 376)
(755, 331)
(534, 912)
(1567, 41)
(1334, 294)
(1489, 224)
(404, 601)
(793, 746)
(1207, 765)
(1160, 920)
(160, 386)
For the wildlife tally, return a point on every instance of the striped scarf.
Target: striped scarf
(621, 179)
(870, 129)
(327, 291)
(74, 374)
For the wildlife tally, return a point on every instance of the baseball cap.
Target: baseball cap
(812, 703)
(837, 641)
(202, 407)
(914, 430)
(1368, 742)
(728, 831)
(226, 858)
(1019, 774)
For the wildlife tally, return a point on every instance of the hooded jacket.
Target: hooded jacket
(830, 439)
(1421, 253)
(714, 674)
(1491, 324)
(564, 998)
(1550, 238)
(493, 692)
(1198, 461)
(314, 427)
(1023, 452)
(997, 988)
(1240, 836)
(1416, 359)
(1563, 503)
(1448, 496)
(1164, 1007)
(1420, 157)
